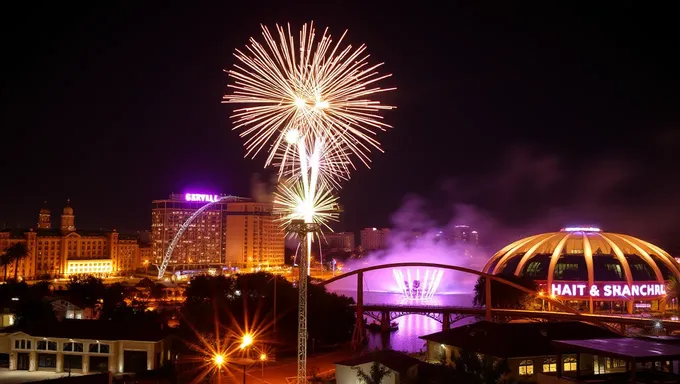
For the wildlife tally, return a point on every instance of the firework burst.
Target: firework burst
(318, 88)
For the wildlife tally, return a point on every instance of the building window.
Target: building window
(46, 360)
(44, 345)
(99, 348)
(569, 364)
(526, 368)
(550, 365)
(72, 346)
(22, 344)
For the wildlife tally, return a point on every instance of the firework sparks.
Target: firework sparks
(318, 88)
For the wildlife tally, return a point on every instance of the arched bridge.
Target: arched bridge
(448, 315)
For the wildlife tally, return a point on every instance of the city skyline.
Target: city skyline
(566, 112)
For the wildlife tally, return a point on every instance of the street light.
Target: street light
(218, 359)
(263, 358)
(246, 341)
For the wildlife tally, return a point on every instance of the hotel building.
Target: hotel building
(231, 231)
(339, 240)
(64, 251)
(374, 238)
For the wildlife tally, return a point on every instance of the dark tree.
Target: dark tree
(17, 252)
(5, 261)
(88, 290)
(472, 368)
(376, 375)
(502, 295)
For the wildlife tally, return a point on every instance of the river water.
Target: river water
(411, 327)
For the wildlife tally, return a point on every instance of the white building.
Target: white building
(401, 367)
(374, 238)
(85, 346)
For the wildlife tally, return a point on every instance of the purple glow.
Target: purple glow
(414, 286)
(581, 229)
(201, 197)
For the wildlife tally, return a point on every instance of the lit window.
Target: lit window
(569, 364)
(550, 365)
(526, 368)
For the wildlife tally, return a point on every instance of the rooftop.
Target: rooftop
(510, 339)
(94, 330)
(624, 348)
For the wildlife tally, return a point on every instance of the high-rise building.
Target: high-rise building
(68, 251)
(232, 231)
(254, 238)
(463, 235)
(374, 238)
(339, 240)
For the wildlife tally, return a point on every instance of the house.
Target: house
(401, 367)
(67, 309)
(526, 346)
(85, 346)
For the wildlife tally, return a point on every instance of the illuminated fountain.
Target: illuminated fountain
(416, 286)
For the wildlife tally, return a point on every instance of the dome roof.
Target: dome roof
(45, 210)
(67, 209)
(584, 254)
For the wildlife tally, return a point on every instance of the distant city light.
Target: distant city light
(581, 229)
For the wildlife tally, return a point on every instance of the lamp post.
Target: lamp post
(263, 358)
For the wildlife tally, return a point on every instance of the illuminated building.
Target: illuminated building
(232, 231)
(588, 267)
(64, 251)
(462, 235)
(339, 240)
(374, 238)
(254, 238)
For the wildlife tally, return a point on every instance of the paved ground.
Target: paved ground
(283, 372)
(17, 377)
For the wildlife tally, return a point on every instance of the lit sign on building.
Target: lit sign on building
(201, 197)
(600, 290)
(581, 229)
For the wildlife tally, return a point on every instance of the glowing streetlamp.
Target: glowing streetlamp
(263, 358)
(219, 359)
(246, 341)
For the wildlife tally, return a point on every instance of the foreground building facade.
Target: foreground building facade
(65, 251)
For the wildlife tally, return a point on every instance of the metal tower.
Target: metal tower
(302, 230)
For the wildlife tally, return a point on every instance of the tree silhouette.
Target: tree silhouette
(17, 252)
(472, 368)
(502, 295)
(375, 376)
(5, 261)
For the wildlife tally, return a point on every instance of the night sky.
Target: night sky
(515, 120)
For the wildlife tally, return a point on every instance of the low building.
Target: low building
(66, 309)
(401, 367)
(527, 347)
(85, 346)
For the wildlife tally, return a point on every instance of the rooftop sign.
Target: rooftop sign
(201, 197)
(581, 229)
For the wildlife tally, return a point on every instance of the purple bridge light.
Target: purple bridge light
(416, 286)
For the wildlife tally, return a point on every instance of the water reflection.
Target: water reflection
(411, 327)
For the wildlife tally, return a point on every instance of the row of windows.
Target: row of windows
(73, 346)
(526, 367)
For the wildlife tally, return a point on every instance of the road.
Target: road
(283, 372)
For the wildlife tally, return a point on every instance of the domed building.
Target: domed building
(588, 267)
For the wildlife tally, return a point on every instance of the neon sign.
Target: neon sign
(607, 290)
(201, 197)
(581, 229)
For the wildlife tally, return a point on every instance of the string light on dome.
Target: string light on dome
(581, 229)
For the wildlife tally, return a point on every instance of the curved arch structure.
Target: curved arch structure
(489, 277)
(185, 225)
(589, 243)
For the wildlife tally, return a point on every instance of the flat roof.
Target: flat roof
(625, 348)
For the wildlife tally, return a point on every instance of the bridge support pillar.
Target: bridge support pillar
(629, 307)
(446, 321)
(487, 294)
(385, 321)
(622, 329)
(359, 327)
